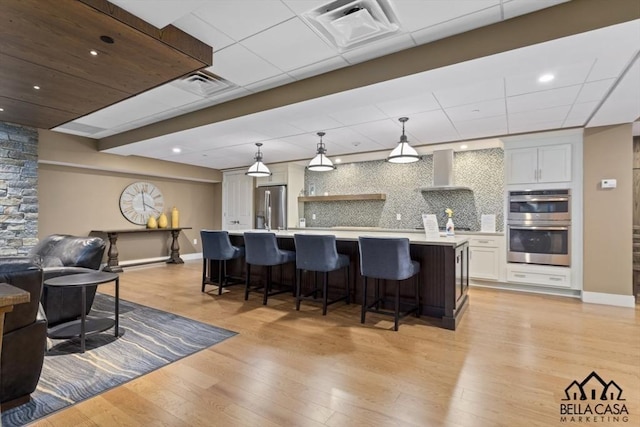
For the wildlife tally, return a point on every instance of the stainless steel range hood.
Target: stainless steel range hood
(443, 172)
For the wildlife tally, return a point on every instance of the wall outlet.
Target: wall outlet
(399, 217)
(313, 216)
(195, 241)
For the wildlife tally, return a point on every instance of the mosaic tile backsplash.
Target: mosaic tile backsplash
(481, 170)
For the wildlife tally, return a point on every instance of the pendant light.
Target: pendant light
(258, 169)
(403, 153)
(321, 162)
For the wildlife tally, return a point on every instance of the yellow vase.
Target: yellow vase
(175, 218)
(162, 221)
(152, 223)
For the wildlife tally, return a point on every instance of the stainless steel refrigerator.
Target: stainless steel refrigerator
(271, 207)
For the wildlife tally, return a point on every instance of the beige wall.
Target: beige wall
(608, 153)
(77, 200)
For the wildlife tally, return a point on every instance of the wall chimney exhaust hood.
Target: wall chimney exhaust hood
(443, 172)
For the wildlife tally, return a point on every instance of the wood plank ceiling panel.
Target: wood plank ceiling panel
(47, 42)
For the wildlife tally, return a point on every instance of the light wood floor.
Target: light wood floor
(507, 364)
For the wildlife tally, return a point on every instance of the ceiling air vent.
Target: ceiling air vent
(352, 23)
(204, 83)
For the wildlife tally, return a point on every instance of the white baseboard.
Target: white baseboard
(190, 257)
(609, 299)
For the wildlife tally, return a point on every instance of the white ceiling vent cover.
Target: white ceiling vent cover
(204, 83)
(347, 24)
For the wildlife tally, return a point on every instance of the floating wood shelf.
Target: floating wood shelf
(343, 197)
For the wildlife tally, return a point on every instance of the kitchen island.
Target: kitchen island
(444, 268)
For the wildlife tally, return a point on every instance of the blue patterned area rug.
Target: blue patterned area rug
(151, 339)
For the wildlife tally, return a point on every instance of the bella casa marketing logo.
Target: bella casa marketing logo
(593, 400)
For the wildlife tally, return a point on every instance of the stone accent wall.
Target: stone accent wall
(18, 189)
(480, 170)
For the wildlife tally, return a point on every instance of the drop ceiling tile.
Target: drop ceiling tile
(546, 115)
(515, 8)
(168, 94)
(301, 6)
(289, 45)
(241, 66)
(241, 19)
(406, 106)
(534, 127)
(579, 113)
(477, 110)
(199, 29)
(213, 100)
(346, 140)
(354, 116)
(319, 67)
(379, 48)
(489, 126)
(315, 123)
(459, 25)
(566, 74)
(432, 126)
(540, 100)
(386, 132)
(594, 91)
(623, 104)
(269, 83)
(415, 14)
(468, 94)
(159, 13)
(130, 110)
(610, 65)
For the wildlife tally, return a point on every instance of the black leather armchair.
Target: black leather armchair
(25, 333)
(61, 255)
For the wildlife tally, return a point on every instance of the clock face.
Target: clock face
(140, 201)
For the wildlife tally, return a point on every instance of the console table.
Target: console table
(112, 253)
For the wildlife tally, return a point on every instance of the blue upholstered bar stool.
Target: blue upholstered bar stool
(216, 246)
(318, 253)
(262, 249)
(387, 259)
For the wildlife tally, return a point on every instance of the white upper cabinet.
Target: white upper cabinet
(549, 163)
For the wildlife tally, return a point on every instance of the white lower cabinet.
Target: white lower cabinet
(486, 257)
(542, 275)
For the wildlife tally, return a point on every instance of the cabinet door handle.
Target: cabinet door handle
(555, 279)
(483, 241)
(539, 174)
(520, 275)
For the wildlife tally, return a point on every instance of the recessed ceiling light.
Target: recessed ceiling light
(36, 87)
(338, 160)
(1, 109)
(475, 110)
(93, 52)
(176, 150)
(464, 147)
(545, 78)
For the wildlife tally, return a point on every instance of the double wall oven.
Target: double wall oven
(539, 227)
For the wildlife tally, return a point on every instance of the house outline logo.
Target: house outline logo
(593, 400)
(593, 387)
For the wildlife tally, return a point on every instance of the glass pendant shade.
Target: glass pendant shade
(404, 152)
(321, 163)
(258, 169)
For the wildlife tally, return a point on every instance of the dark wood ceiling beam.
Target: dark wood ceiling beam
(47, 42)
(170, 35)
(563, 20)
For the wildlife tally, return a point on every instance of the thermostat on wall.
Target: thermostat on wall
(609, 183)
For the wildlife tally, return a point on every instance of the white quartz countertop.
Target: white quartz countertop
(415, 237)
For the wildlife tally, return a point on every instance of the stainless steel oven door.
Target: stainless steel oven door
(542, 205)
(539, 243)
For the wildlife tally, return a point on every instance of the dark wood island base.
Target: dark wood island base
(444, 275)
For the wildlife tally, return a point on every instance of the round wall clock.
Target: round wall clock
(141, 200)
